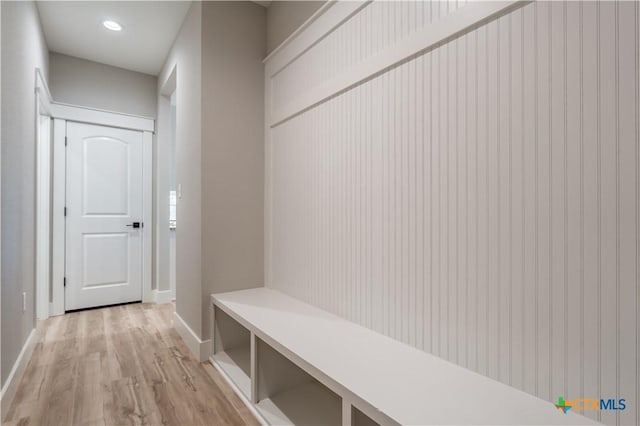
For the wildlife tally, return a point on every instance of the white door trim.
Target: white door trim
(101, 117)
(43, 211)
(61, 113)
(43, 196)
(147, 212)
(59, 196)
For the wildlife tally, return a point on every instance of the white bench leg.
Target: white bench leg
(346, 413)
(254, 370)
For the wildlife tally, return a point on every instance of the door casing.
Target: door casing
(102, 118)
(60, 114)
(44, 125)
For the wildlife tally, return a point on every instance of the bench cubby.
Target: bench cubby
(286, 394)
(232, 349)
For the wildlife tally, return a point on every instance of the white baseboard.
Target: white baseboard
(238, 392)
(15, 376)
(162, 296)
(201, 349)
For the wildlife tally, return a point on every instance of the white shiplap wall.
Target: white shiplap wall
(479, 200)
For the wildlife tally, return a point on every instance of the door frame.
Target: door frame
(164, 292)
(61, 114)
(43, 197)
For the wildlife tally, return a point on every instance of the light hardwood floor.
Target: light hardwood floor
(118, 366)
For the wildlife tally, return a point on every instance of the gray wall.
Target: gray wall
(82, 82)
(233, 47)
(284, 17)
(186, 57)
(219, 155)
(23, 49)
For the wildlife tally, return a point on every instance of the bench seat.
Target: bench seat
(390, 382)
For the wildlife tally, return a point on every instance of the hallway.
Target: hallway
(118, 366)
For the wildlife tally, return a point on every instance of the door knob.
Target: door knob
(135, 225)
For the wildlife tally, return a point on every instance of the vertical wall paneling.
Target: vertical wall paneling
(411, 195)
(572, 55)
(445, 243)
(558, 283)
(420, 214)
(543, 196)
(590, 199)
(627, 124)
(516, 204)
(436, 225)
(493, 219)
(471, 136)
(608, 165)
(462, 165)
(637, 170)
(482, 102)
(478, 200)
(427, 206)
(504, 226)
(529, 193)
(352, 43)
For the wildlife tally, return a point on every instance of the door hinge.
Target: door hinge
(65, 212)
(64, 282)
(65, 141)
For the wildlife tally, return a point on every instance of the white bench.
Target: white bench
(297, 364)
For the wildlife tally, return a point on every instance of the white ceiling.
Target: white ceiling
(149, 28)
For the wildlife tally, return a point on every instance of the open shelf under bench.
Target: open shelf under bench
(232, 350)
(306, 404)
(236, 362)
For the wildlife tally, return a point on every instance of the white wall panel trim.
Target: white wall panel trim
(106, 118)
(454, 24)
(323, 21)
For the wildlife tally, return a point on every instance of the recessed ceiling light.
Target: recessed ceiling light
(112, 25)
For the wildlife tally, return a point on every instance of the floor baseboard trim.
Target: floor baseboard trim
(201, 349)
(162, 296)
(238, 392)
(15, 376)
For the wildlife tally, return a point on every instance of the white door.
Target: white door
(104, 204)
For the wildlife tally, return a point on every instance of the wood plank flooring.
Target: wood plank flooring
(123, 365)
